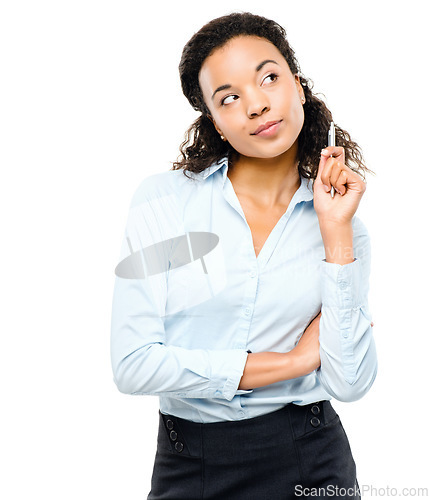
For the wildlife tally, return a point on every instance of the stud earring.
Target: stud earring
(222, 137)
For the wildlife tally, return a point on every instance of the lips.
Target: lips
(264, 127)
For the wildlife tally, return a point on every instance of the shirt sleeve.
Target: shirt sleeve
(347, 349)
(143, 362)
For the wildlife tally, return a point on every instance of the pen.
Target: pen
(331, 142)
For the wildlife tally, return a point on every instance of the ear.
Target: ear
(299, 86)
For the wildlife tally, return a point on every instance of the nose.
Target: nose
(258, 103)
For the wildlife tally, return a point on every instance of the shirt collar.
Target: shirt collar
(304, 193)
(223, 162)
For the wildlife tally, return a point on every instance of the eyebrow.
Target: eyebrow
(258, 68)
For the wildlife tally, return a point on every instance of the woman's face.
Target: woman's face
(247, 83)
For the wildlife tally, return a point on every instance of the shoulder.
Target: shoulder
(170, 183)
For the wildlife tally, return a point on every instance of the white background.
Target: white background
(90, 105)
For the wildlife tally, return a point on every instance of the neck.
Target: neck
(268, 181)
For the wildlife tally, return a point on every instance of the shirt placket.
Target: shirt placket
(247, 254)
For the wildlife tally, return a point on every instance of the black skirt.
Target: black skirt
(294, 452)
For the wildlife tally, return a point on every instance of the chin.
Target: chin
(272, 152)
(269, 148)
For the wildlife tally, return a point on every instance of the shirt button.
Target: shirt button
(247, 311)
(345, 335)
(343, 285)
(252, 274)
(241, 413)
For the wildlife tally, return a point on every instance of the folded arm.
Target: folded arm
(142, 361)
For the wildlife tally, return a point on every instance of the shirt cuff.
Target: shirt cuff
(231, 363)
(341, 285)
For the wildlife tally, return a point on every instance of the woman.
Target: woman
(241, 295)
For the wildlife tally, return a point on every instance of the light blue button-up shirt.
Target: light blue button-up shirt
(191, 298)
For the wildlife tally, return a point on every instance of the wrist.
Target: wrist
(338, 242)
(335, 225)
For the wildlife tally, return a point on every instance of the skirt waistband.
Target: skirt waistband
(290, 422)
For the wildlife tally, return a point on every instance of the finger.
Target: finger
(322, 163)
(341, 183)
(338, 178)
(327, 173)
(335, 151)
(349, 180)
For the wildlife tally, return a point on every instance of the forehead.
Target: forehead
(238, 57)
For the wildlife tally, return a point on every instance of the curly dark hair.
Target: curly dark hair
(203, 146)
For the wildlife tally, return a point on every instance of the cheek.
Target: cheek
(299, 114)
(235, 125)
(296, 112)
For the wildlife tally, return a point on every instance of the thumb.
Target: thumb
(322, 162)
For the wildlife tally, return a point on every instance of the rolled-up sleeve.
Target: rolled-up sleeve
(143, 361)
(347, 349)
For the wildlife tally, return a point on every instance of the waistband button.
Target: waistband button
(179, 446)
(315, 422)
(173, 435)
(169, 424)
(315, 410)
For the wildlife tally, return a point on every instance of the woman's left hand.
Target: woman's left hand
(348, 184)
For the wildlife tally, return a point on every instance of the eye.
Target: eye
(224, 100)
(274, 77)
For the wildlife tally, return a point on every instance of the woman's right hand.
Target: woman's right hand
(306, 352)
